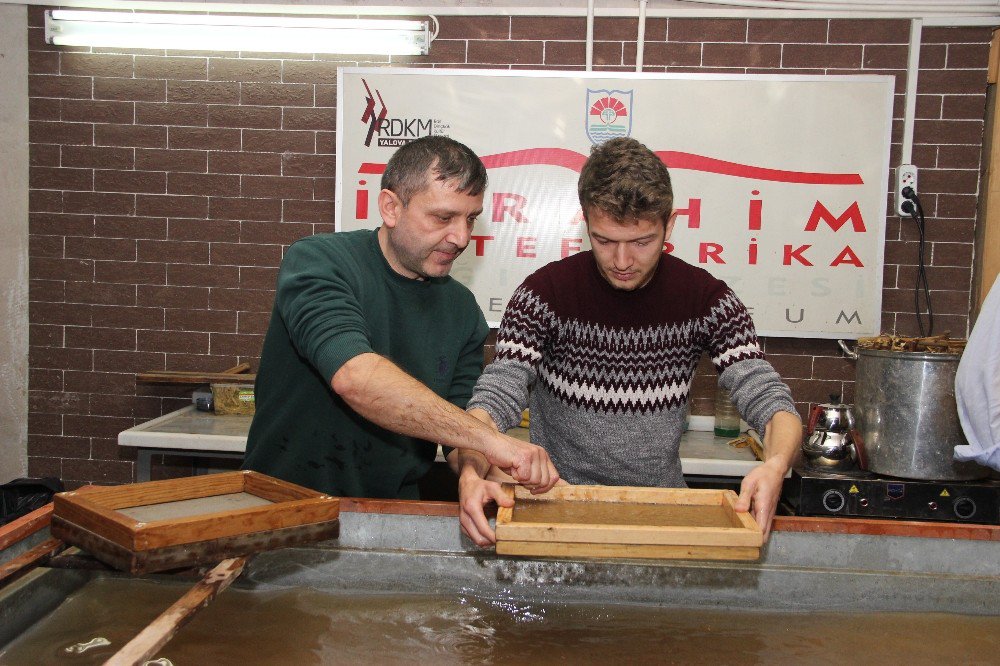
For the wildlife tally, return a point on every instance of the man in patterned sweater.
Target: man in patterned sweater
(602, 347)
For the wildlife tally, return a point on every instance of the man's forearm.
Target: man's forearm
(782, 438)
(381, 392)
(472, 462)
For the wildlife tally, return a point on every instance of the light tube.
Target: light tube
(236, 33)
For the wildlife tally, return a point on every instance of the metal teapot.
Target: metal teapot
(833, 416)
(829, 437)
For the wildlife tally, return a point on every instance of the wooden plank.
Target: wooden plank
(729, 510)
(167, 490)
(632, 495)
(194, 378)
(711, 522)
(993, 66)
(630, 534)
(743, 519)
(102, 548)
(921, 529)
(747, 521)
(640, 551)
(29, 559)
(28, 524)
(25, 526)
(274, 489)
(144, 646)
(986, 265)
(115, 526)
(101, 511)
(191, 554)
(505, 514)
(230, 523)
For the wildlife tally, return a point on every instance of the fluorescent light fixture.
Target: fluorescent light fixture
(219, 32)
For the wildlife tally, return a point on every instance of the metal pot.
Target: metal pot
(907, 421)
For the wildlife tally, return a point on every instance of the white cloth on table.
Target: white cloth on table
(977, 387)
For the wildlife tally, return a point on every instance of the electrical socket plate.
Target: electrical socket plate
(906, 176)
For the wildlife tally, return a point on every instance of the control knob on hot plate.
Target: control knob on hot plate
(964, 508)
(834, 500)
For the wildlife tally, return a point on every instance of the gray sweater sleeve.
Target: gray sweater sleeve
(755, 386)
(757, 391)
(502, 389)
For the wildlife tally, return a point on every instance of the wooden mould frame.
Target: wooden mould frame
(741, 541)
(93, 521)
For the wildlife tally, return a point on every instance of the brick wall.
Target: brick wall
(165, 185)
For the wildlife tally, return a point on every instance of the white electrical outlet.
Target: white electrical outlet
(906, 176)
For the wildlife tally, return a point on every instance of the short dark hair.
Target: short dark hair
(626, 180)
(406, 172)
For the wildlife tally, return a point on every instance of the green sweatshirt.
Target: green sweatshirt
(337, 297)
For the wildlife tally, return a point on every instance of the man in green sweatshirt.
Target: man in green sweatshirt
(372, 350)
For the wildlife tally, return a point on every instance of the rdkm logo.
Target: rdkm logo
(373, 120)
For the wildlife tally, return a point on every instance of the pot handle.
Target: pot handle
(859, 450)
(848, 352)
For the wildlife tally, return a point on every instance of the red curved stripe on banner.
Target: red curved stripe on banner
(692, 162)
(573, 160)
(569, 159)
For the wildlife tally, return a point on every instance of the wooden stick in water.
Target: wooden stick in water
(142, 648)
(29, 559)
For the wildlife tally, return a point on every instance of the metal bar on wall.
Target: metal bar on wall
(590, 35)
(912, 72)
(938, 17)
(640, 41)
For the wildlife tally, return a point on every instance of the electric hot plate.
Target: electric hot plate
(811, 492)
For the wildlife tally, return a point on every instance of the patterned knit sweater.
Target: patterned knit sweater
(607, 373)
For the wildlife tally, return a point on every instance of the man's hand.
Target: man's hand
(381, 392)
(760, 491)
(475, 493)
(761, 488)
(528, 464)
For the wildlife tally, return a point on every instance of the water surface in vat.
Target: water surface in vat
(619, 513)
(304, 626)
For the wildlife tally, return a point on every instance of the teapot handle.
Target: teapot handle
(813, 418)
(848, 352)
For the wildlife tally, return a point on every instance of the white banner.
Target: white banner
(780, 181)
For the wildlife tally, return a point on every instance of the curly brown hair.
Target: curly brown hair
(626, 180)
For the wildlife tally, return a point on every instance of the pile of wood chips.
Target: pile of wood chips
(941, 344)
(747, 440)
